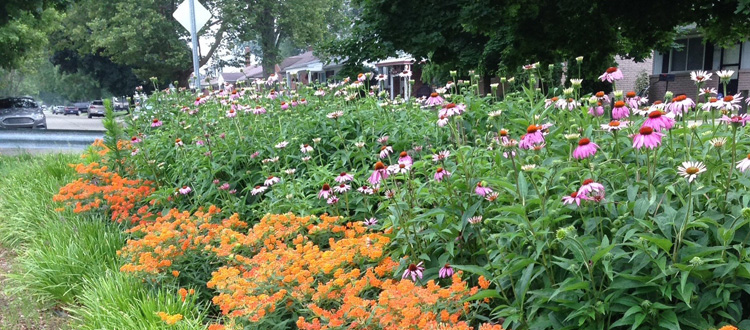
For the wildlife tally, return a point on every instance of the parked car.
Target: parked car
(96, 108)
(71, 110)
(58, 109)
(82, 106)
(21, 112)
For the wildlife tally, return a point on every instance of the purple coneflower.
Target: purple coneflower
(572, 198)
(442, 121)
(441, 156)
(385, 151)
(371, 222)
(659, 120)
(135, 140)
(620, 111)
(445, 271)
(156, 123)
(730, 102)
(744, 164)
(611, 75)
(441, 173)
(404, 157)
(434, 100)
(597, 111)
(332, 200)
(342, 188)
(258, 190)
(284, 105)
(185, 190)
(258, 110)
(414, 271)
(400, 168)
(282, 145)
(335, 115)
(366, 190)
(178, 142)
(588, 186)
(344, 177)
(647, 137)
(380, 173)
(305, 148)
(634, 101)
(325, 191)
(738, 120)
(481, 190)
(585, 149)
(680, 105)
(532, 137)
(231, 113)
(271, 181)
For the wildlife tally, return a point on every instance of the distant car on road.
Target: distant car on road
(21, 112)
(82, 106)
(58, 110)
(71, 110)
(96, 108)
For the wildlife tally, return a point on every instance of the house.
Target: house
(392, 68)
(306, 68)
(671, 70)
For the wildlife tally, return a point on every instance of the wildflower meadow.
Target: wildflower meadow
(274, 206)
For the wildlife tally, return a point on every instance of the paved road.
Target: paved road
(71, 122)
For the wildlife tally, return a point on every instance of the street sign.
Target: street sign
(182, 15)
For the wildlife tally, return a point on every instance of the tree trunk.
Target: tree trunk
(268, 43)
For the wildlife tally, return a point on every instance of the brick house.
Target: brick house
(671, 71)
(631, 70)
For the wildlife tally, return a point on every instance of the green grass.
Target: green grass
(120, 301)
(27, 184)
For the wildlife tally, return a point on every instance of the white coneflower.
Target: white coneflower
(615, 125)
(335, 115)
(475, 220)
(700, 76)
(291, 171)
(401, 168)
(528, 167)
(725, 75)
(316, 140)
(282, 145)
(271, 181)
(495, 113)
(491, 197)
(305, 148)
(359, 145)
(342, 188)
(744, 164)
(718, 142)
(690, 170)
(572, 137)
(385, 151)
(258, 190)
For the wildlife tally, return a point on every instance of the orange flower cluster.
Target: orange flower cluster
(161, 242)
(100, 188)
(170, 319)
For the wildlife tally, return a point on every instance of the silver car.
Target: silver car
(21, 112)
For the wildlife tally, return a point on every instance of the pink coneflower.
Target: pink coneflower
(588, 186)
(597, 111)
(585, 149)
(442, 121)
(185, 190)
(400, 168)
(332, 200)
(199, 143)
(680, 105)
(550, 102)
(385, 151)
(199, 101)
(325, 191)
(601, 97)
(231, 113)
(737, 121)
(380, 173)
(272, 95)
(446, 271)
(224, 186)
(335, 115)
(647, 137)
(452, 109)
(481, 190)
(572, 198)
(475, 220)
(569, 104)
(282, 145)
(156, 123)
(255, 154)
(434, 100)
(284, 105)
(390, 193)
(441, 156)
(135, 140)
(615, 125)
(532, 137)
(306, 158)
(271, 181)
(320, 93)
(634, 101)
(414, 271)
(258, 110)
(305, 148)
(303, 101)
(134, 152)
(342, 188)
(366, 190)
(344, 177)
(404, 158)
(659, 120)
(611, 75)
(744, 164)
(178, 142)
(620, 111)
(441, 173)
(491, 197)
(383, 139)
(371, 222)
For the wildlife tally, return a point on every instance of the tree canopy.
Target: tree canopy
(494, 36)
(24, 25)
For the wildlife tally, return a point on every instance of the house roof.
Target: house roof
(232, 76)
(297, 61)
(253, 71)
(395, 61)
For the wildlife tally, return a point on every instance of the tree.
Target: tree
(24, 26)
(495, 36)
(115, 78)
(301, 22)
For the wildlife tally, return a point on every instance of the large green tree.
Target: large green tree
(497, 35)
(24, 25)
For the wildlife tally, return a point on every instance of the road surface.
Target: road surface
(72, 122)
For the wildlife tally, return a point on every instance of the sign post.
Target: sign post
(193, 16)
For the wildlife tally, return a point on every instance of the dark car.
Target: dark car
(82, 106)
(71, 110)
(96, 108)
(21, 112)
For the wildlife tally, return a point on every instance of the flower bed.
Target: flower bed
(453, 211)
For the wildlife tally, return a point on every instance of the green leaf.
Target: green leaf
(483, 294)
(662, 243)
(474, 269)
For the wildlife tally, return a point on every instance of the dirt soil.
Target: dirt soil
(22, 313)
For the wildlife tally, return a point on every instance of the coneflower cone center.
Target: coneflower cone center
(646, 130)
(584, 142)
(692, 170)
(655, 114)
(630, 94)
(413, 267)
(619, 104)
(614, 123)
(611, 69)
(379, 166)
(433, 94)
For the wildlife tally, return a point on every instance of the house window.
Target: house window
(690, 55)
